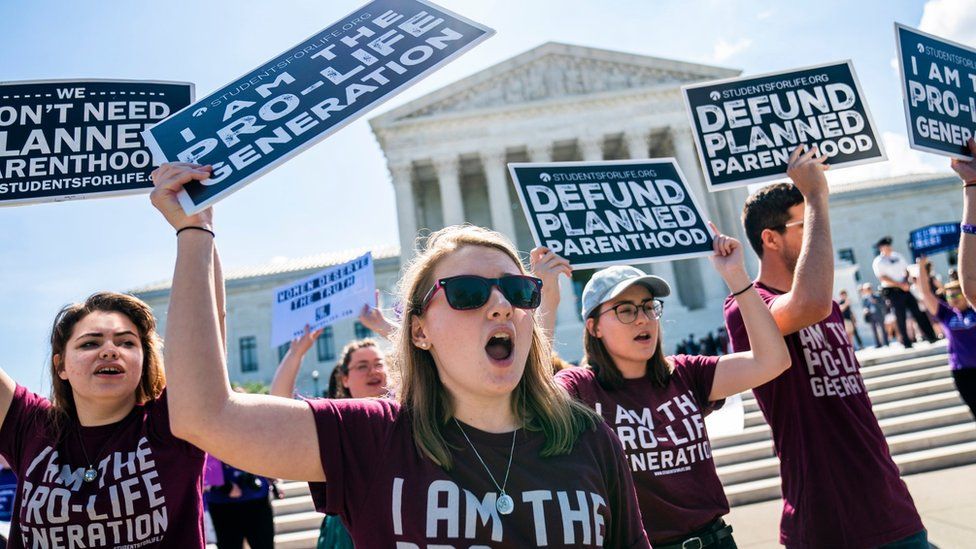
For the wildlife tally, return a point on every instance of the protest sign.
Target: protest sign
(614, 212)
(747, 127)
(322, 299)
(933, 239)
(938, 81)
(71, 139)
(262, 119)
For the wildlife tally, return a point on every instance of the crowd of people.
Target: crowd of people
(468, 431)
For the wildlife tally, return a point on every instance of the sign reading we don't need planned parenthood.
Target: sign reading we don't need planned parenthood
(747, 127)
(615, 212)
(938, 80)
(310, 91)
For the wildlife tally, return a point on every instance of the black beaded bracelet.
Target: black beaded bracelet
(204, 229)
(743, 290)
(971, 184)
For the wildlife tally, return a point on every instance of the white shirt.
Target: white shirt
(892, 266)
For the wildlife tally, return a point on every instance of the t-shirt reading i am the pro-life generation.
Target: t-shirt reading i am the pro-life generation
(389, 495)
(662, 430)
(840, 486)
(147, 495)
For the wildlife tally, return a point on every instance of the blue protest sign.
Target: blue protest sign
(938, 81)
(747, 127)
(933, 239)
(71, 139)
(615, 212)
(310, 91)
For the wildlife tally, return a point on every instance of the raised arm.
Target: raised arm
(547, 265)
(246, 431)
(811, 297)
(283, 384)
(967, 241)
(7, 387)
(372, 318)
(769, 356)
(928, 298)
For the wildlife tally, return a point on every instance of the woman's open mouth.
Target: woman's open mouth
(499, 347)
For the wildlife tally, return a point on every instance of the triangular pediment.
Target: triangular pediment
(548, 72)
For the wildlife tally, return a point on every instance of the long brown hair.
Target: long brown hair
(336, 389)
(63, 411)
(537, 401)
(598, 358)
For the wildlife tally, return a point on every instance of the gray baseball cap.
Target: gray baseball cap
(608, 283)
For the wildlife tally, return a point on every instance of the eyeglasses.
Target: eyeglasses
(784, 226)
(627, 313)
(466, 292)
(953, 295)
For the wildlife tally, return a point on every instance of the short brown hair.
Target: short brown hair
(153, 379)
(768, 208)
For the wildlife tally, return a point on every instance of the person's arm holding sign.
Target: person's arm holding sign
(810, 298)
(283, 384)
(768, 356)
(967, 239)
(928, 298)
(547, 265)
(372, 317)
(244, 430)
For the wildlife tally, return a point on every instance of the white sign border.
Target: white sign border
(106, 194)
(712, 187)
(192, 208)
(631, 161)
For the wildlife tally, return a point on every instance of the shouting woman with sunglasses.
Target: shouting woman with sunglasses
(657, 403)
(479, 448)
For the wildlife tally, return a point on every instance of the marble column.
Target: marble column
(449, 182)
(402, 175)
(591, 148)
(500, 204)
(637, 144)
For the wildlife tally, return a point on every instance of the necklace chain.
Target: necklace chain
(508, 469)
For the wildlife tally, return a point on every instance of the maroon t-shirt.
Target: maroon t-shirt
(389, 495)
(664, 438)
(840, 485)
(147, 495)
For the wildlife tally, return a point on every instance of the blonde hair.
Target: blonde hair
(537, 401)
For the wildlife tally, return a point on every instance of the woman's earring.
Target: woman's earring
(423, 345)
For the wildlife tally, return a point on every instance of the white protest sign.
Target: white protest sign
(322, 299)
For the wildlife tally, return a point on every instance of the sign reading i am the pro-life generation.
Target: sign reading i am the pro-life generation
(72, 139)
(747, 127)
(262, 119)
(615, 212)
(932, 239)
(938, 80)
(324, 298)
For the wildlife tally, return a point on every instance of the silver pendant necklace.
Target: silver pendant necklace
(90, 472)
(504, 504)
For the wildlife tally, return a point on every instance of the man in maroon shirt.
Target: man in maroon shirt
(840, 486)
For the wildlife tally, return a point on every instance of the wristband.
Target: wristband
(743, 290)
(197, 229)
(969, 184)
(967, 228)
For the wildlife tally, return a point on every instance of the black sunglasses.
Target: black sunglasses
(466, 292)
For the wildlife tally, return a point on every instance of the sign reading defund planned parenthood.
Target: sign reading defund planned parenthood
(286, 105)
(746, 128)
(322, 299)
(63, 140)
(612, 213)
(939, 86)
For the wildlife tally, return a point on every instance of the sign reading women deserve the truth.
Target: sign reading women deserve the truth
(322, 299)
(71, 139)
(747, 127)
(265, 117)
(615, 212)
(938, 80)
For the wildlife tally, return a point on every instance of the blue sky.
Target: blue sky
(338, 195)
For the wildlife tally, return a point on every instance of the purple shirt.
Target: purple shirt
(960, 332)
(148, 491)
(389, 495)
(664, 438)
(840, 486)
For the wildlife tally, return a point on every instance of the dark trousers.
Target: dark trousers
(904, 302)
(966, 385)
(878, 331)
(251, 520)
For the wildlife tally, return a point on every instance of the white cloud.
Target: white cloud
(952, 19)
(725, 49)
(902, 160)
